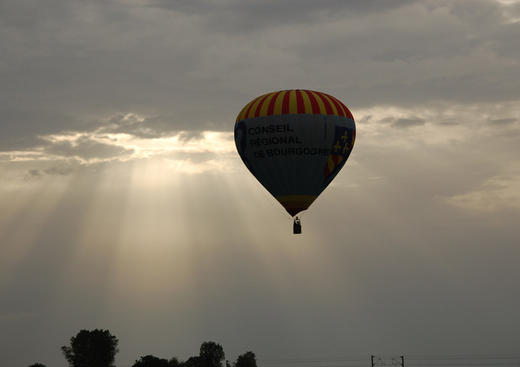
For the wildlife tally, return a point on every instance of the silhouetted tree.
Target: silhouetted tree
(96, 348)
(151, 361)
(174, 362)
(192, 362)
(37, 365)
(247, 359)
(211, 354)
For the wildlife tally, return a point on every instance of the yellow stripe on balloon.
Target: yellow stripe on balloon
(341, 106)
(321, 105)
(242, 113)
(265, 104)
(254, 106)
(278, 104)
(293, 107)
(332, 105)
(324, 104)
(306, 102)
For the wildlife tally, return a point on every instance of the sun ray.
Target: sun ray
(20, 233)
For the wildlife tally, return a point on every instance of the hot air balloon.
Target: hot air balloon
(295, 142)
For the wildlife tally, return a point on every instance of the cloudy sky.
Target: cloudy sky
(124, 205)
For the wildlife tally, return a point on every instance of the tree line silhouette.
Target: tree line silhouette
(98, 348)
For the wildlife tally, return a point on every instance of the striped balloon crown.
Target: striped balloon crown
(294, 101)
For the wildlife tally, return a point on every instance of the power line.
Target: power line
(304, 361)
(430, 360)
(460, 356)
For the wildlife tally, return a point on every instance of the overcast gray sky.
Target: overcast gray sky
(124, 205)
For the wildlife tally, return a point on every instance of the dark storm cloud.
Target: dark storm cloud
(193, 66)
(155, 69)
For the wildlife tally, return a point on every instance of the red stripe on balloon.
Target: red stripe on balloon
(328, 107)
(270, 108)
(285, 102)
(249, 108)
(300, 106)
(349, 114)
(314, 103)
(347, 111)
(339, 108)
(257, 112)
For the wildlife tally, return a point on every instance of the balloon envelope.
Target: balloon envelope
(295, 142)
